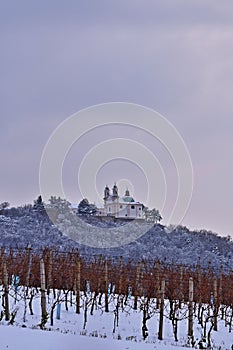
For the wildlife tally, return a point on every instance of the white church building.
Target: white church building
(124, 207)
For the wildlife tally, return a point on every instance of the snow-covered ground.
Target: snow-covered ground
(19, 338)
(68, 332)
(13, 338)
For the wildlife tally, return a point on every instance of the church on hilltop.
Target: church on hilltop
(124, 207)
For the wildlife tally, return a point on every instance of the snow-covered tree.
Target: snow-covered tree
(86, 208)
(152, 215)
(38, 206)
(4, 205)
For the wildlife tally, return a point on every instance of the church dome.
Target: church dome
(127, 199)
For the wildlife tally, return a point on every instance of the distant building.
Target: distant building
(124, 207)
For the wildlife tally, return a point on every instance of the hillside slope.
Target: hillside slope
(178, 244)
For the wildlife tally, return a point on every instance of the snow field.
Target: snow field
(69, 331)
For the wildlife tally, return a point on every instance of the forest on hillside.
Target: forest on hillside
(31, 225)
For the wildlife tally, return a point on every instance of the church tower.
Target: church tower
(106, 192)
(115, 191)
(127, 194)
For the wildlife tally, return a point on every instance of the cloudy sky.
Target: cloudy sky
(58, 57)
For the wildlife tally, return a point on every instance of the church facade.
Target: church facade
(123, 207)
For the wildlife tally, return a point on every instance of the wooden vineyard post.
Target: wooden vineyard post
(215, 305)
(160, 335)
(106, 285)
(157, 288)
(190, 307)
(50, 267)
(99, 290)
(29, 249)
(136, 286)
(181, 287)
(199, 294)
(120, 277)
(220, 291)
(199, 281)
(43, 294)
(6, 292)
(78, 286)
(220, 285)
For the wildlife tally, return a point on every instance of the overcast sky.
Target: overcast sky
(175, 56)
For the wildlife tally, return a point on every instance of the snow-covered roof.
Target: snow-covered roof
(127, 199)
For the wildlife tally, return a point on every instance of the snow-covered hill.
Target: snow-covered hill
(20, 228)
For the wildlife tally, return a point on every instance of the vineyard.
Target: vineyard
(88, 285)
